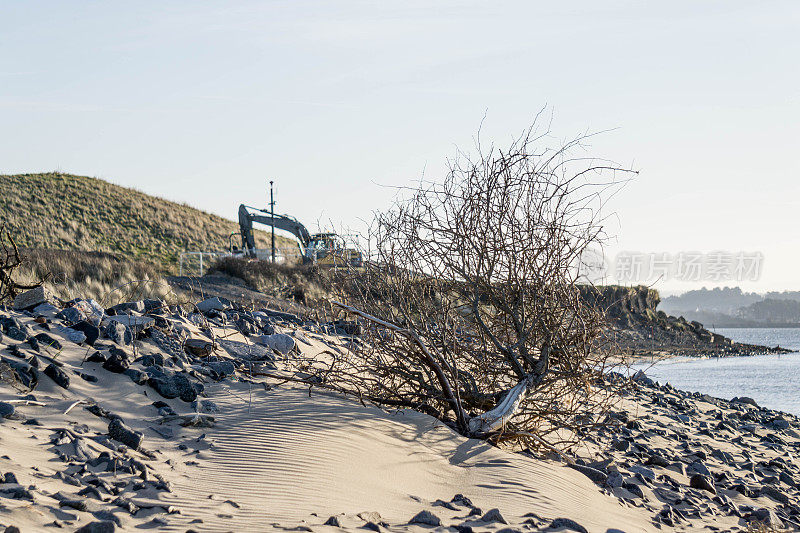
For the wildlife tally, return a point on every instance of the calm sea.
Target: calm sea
(772, 380)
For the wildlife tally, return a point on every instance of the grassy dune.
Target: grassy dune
(67, 212)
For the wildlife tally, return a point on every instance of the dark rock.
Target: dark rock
(446, 505)
(88, 377)
(34, 344)
(621, 445)
(10, 477)
(464, 528)
(493, 515)
(103, 526)
(745, 400)
(123, 308)
(767, 517)
(26, 374)
(57, 375)
(78, 505)
(198, 347)
(700, 468)
(205, 406)
(333, 521)
(775, 494)
(646, 473)
(567, 523)
(19, 493)
(657, 460)
(11, 529)
(614, 480)
(699, 481)
(122, 433)
(222, 368)
(16, 333)
(118, 333)
(46, 340)
(426, 518)
(137, 376)
(116, 364)
(72, 315)
(186, 391)
(107, 516)
(165, 387)
(155, 359)
(6, 411)
(592, 473)
(92, 332)
(460, 499)
(96, 357)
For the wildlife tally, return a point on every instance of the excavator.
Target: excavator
(324, 249)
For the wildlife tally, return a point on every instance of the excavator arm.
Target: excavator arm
(248, 215)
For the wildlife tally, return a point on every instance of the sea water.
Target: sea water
(771, 380)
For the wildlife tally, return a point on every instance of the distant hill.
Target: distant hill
(67, 212)
(731, 307)
(725, 300)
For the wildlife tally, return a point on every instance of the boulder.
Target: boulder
(123, 308)
(766, 517)
(186, 390)
(214, 304)
(493, 515)
(32, 298)
(119, 333)
(135, 323)
(90, 331)
(699, 481)
(426, 518)
(116, 363)
(73, 335)
(280, 342)
(57, 375)
(745, 400)
(46, 310)
(6, 411)
(93, 311)
(205, 406)
(222, 368)
(198, 347)
(48, 341)
(164, 386)
(594, 474)
(118, 431)
(71, 315)
(137, 376)
(567, 523)
(100, 526)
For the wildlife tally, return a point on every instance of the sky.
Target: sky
(340, 102)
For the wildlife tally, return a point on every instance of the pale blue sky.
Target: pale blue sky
(203, 102)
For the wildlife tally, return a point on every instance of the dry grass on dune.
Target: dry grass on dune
(62, 211)
(305, 284)
(106, 277)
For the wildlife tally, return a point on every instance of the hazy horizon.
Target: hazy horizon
(204, 103)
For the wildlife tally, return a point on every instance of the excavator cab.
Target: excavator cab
(330, 249)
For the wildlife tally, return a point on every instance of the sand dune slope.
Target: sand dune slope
(290, 455)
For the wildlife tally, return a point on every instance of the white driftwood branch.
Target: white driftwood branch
(496, 419)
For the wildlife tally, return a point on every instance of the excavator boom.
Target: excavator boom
(248, 215)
